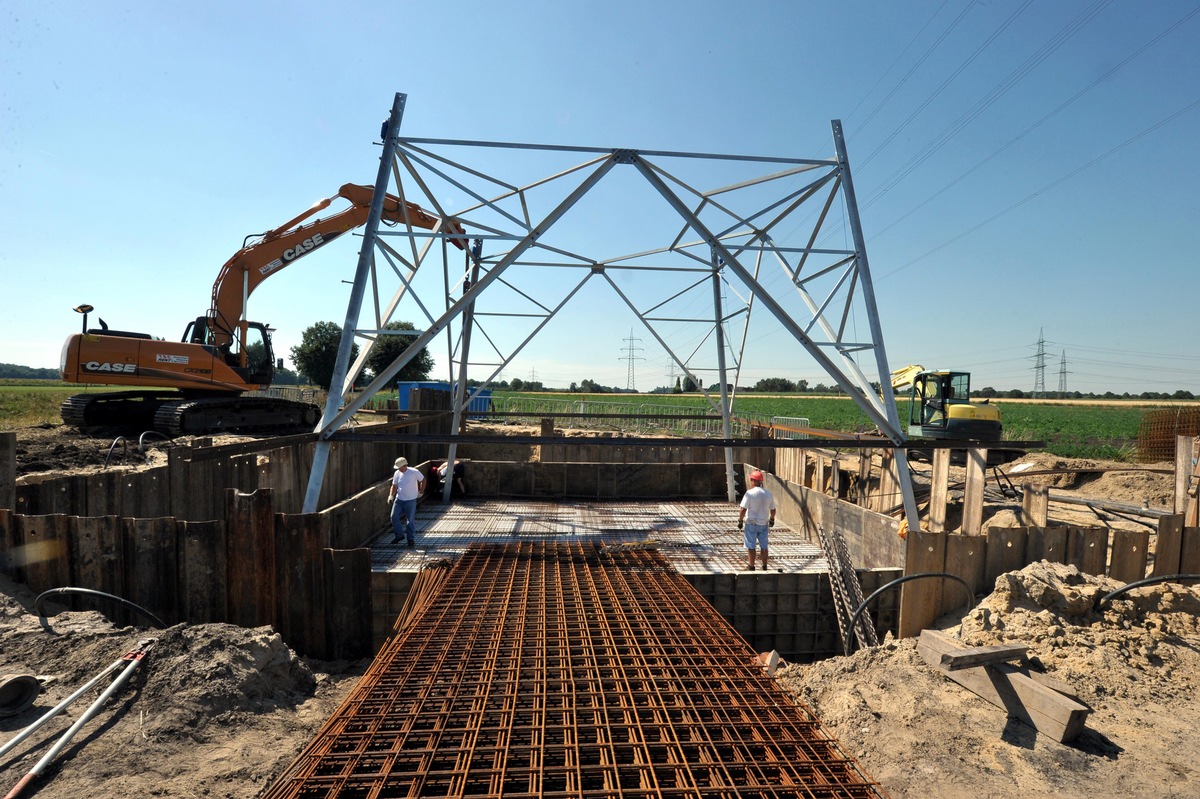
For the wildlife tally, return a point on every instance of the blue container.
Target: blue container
(405, 386)
(481, 403)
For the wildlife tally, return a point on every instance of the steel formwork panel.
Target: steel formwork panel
(563, 669)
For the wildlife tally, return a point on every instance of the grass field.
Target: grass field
(1107, 431)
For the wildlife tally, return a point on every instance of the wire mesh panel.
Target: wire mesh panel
(565, 669)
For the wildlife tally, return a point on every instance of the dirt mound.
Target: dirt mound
(1134, 661)
(215, 709)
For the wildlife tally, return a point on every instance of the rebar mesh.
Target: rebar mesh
(566, 669)
(1157, 432)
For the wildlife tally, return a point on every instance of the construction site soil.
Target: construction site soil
(218, 711)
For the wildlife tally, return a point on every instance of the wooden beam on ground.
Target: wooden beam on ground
(1012, 689)
(952, 656)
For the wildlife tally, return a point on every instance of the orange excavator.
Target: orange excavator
(201, 384)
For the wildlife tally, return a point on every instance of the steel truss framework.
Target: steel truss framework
(715, 256)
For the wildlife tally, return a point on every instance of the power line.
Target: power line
(1039, 367)
(980, 164)
(630, 357)
(1047, 187)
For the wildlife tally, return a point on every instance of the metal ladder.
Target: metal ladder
(847, 591)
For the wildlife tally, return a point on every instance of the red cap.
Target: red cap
(756, 475)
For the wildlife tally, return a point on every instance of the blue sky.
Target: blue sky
(1022, 169)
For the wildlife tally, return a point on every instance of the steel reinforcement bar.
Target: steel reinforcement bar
(552, 669)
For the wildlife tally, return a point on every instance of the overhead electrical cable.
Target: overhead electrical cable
(994, 94)
(1047, 187)
(1039, 123)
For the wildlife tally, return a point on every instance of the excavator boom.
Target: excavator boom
(196, 385)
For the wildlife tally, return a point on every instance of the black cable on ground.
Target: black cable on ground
(125, 603)
(905, 579)
(1163, 578)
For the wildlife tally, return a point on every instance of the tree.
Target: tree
(689, 385)
(516, 384)
(775, 385)
(678, 388)
(317, 352)
(388, 349)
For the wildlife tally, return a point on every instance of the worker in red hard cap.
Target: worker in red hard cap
(756, 514)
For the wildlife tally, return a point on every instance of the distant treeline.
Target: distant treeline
(12, 370)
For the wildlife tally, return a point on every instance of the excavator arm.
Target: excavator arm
(275, 250)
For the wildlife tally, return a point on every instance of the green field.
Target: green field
(1106, 431)
(1077, 431)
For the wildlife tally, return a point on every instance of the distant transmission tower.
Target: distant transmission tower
(1062, 376)
(1039, 367)
(630, 357)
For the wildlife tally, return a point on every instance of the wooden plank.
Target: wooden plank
(1013, 690)
(976, 476)
(1127, 555)
(952, 655)
(104, 494)
(151, 581)
(250, 555)
(1169, 546)
(889, 487)
(300, 581)
(1005, 552)
(8, 470)
(966, 558)
(864, 477)
(43, 552)
(1189, 551)
(8, 545)
(203, 566)
(1035, 505)
(347, 603)
(1187, 479)
(1087, 548)
(1046, 543)
(1185, 466)
(939, 490)
(98, 562)
(921, 600)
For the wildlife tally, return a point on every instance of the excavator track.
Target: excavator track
(247, 415)
(114, 408)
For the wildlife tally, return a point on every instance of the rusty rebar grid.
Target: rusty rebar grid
(568, 669)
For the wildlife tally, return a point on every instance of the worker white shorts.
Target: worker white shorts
(756, 535)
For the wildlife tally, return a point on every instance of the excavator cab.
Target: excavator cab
(934, 393)
(260, 358)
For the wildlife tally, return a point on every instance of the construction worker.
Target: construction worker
(407, 487)
(756, 514)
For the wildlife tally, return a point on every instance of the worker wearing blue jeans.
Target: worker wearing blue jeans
(406, 489)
